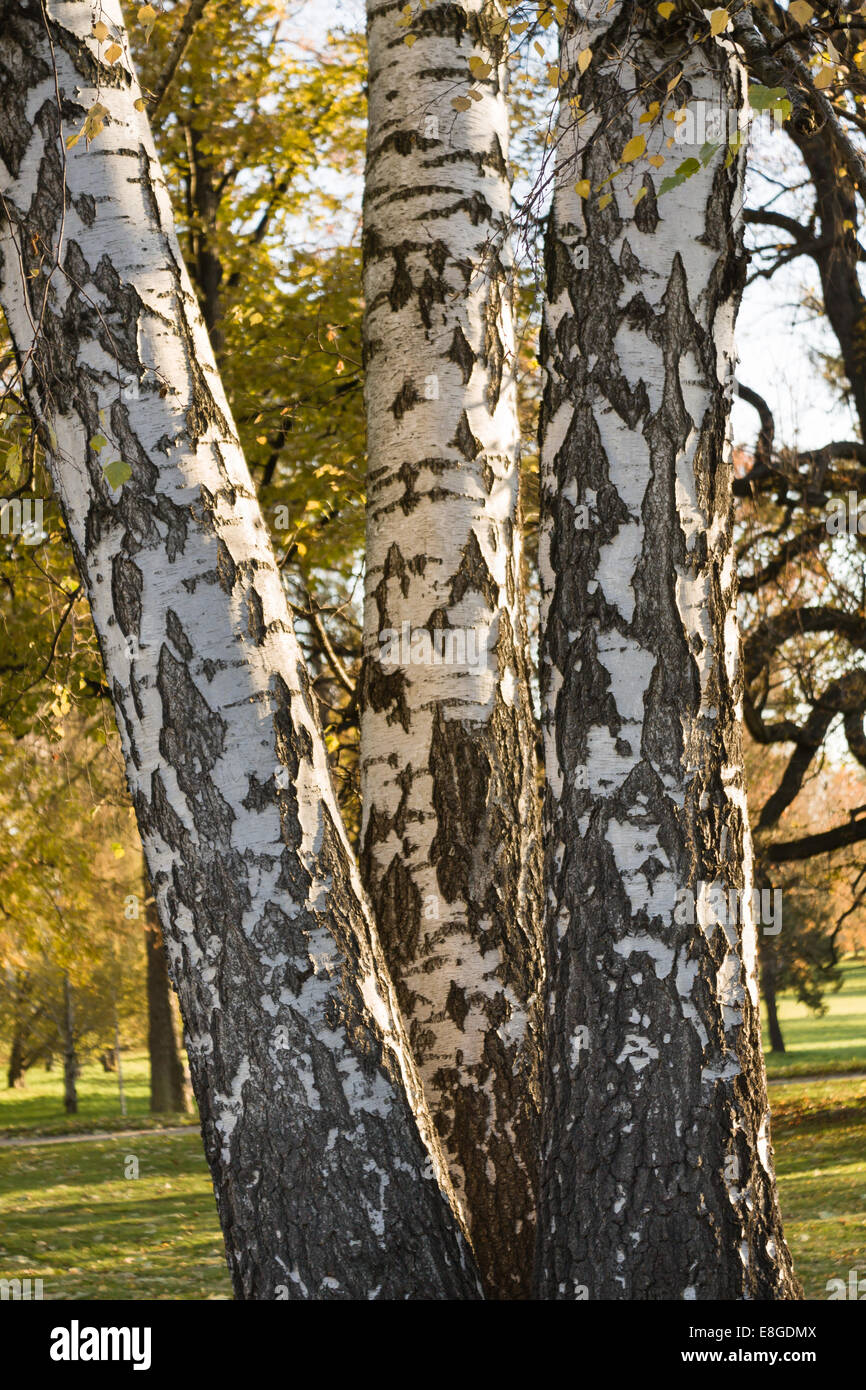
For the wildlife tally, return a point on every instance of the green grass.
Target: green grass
(38, 1107)
(819, 1134)
(70, 1216)
(834, 1042)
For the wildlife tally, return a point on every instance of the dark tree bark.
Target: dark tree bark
(168, 1088)
(657, 1172)
(321, 1149)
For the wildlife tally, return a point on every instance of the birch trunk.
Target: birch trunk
(657, 1171)
(311, 1109)
(450, 833)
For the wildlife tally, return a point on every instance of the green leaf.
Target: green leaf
(12, 463)
(117, 473)
(687, 168)
(763, 98)
(98, 442)
(672, 181)
(707, 152)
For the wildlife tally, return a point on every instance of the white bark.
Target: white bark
(657, 1177)
(310, 1103)
(450, 839)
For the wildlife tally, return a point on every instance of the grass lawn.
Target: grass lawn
(819, 1134)
(834, 1042)
(38, 1107)
(70, 1216)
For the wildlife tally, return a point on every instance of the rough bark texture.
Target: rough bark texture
(168, 1089)
(306, 1090)
(450, 834)
(657, 1171)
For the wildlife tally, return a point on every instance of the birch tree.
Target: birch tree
(657, 1168)
(321, 1150)
(450, 842)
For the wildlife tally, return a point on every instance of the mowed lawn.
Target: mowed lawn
(70, 1216)
(834, 1042)
(38, 1107)
(74, 1214)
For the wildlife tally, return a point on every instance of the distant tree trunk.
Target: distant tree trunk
(768, 985)
(15, 1075)
(70, 1053)
(657, 1171)
(450, 843)
(321, 1149)
(168, 1089)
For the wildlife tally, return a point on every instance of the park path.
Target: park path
(825, 1076)
(94, 1137)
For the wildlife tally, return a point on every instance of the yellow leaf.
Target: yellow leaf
(650, 114)
(584, 59)
(113, 52)
(479, 68)
(461, 103)
(634, 149)
(521, 27)
(641, 193)
(673, 82)
(666, 9)
(582, 188)
(100, 31)
(604, 200)
(147, 15)
(553, 75)
(824, 77)
(847, 225)
(140, 104)
(719, 20)
(410, 39)
(801, 11)
(657, 160)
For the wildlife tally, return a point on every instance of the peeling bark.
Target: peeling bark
(657, 1171)
(320, 1147)
(450, 833)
